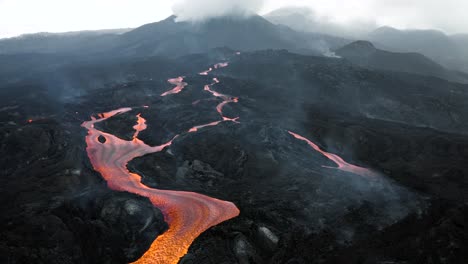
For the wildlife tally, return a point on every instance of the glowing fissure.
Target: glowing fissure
(342, 165)
(188, 214)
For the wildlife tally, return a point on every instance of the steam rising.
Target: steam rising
(307, 19)
(199, 10)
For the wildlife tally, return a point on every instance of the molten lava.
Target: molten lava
(342, 165)
(219, 108)
(188, 214)
(221, 65)
(216, 66)
(206, 72)
(140, 126)
(179, 83)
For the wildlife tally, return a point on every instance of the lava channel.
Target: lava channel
(179, 83)
(216, 66)
(219, 108)
(342, 165)
(188, 214)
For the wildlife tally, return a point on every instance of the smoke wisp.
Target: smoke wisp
(306, 19)
(199, 10)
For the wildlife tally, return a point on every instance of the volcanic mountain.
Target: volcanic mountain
(154, 147)
(173, 38)
(247, 34)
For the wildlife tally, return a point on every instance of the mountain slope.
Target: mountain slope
(431, 43)
(365, 54)
(77, 42)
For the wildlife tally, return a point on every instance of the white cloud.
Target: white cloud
(27, 16)
(446, 15)
(196, 10)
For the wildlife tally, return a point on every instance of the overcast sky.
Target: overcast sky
(28, 16)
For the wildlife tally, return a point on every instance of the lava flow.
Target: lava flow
(226, 100)
(188, 214)
(342, 165)
(219, 108)
(179, 83)
(140, 126)
(206, 72)
(216, 66)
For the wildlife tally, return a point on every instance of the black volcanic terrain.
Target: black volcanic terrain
(328, 160)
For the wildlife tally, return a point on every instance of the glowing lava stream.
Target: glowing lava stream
(219, 108)
(179, 83)
(188, 214)
(342, 165)
(216, 66)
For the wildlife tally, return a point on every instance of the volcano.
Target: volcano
(230, 140)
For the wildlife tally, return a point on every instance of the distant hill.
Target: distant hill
(461, 40)
(79, 41)
(365, 54)
(431, 43)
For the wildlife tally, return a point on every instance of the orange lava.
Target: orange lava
(342, 165)
(196, 128)
(216, 66)
(188, 214)
(140, 126)
(226, 99)
(221, 65)
(219, 108)
(179, 83)
(206, 72)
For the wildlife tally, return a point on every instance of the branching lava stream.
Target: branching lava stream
(188, 214)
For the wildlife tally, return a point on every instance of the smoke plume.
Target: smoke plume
(199, 10)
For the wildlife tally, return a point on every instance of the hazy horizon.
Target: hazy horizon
(19, 17)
